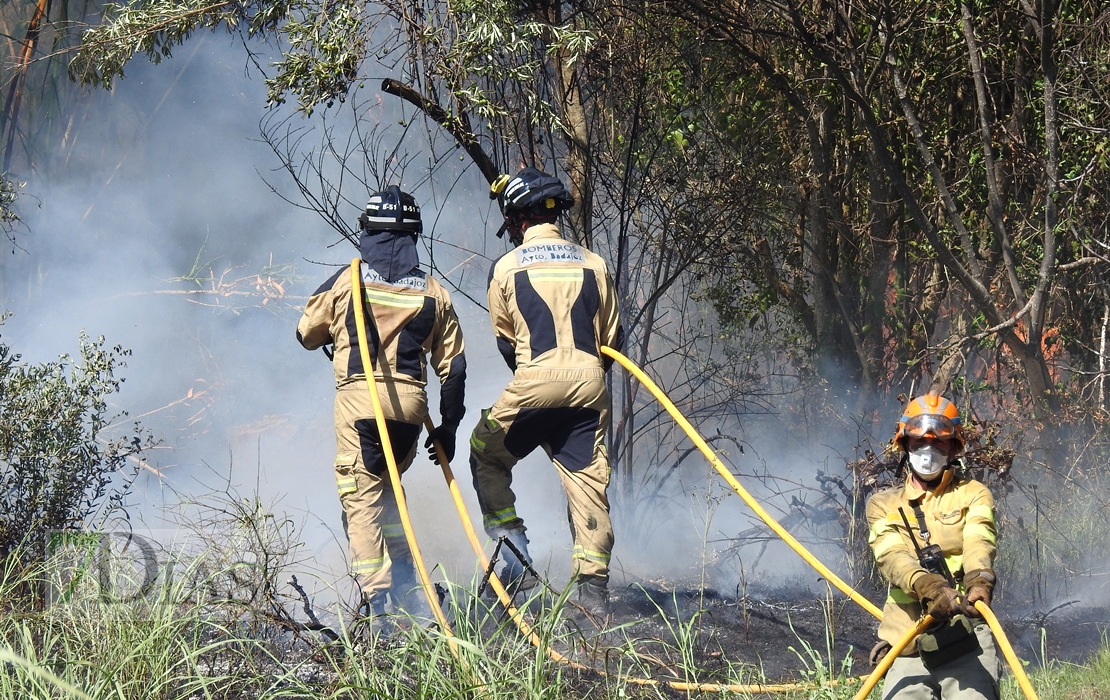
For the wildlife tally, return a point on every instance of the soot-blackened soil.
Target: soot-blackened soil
(780, 636)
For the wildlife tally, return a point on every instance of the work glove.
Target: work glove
(937, 596)
(979, 585)
(879, 652)
(445, 434)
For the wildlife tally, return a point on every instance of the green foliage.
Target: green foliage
(8, 195)
(327, 46)
(197, 636)
(154, 27)
(1065, 681)
(56, 467)
(492, 46)
(471, 47)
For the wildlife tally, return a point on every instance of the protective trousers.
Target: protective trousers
(565, 412)
(372, 523)
(968, 677)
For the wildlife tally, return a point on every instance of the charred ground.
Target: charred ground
(777, 635)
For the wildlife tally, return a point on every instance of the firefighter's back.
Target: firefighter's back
(557, 297)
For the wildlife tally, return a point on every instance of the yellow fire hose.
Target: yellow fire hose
(387, 450)
(1007, 650)
(992, 621)
(517, 617)
(996, 628)
(527, 631)
(740, 490)
(476, 545)
(429, 590)
(888, 660)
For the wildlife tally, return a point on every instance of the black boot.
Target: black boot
(372, 606)
(405, 591)
(369, 618)
(593, 595)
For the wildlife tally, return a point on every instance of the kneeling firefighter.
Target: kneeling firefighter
(408, 317)
(934, 540)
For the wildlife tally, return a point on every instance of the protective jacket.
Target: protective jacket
(411, 319)
(959, 516)
(553, 306)
(407, 320)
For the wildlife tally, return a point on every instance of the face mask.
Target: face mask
(927, 462)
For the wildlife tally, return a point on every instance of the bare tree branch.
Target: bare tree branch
(457, 126)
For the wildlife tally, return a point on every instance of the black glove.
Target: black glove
(445, 434)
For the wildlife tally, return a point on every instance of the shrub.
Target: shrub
(57, 470)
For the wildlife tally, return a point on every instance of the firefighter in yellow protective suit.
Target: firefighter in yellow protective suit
(553, 305)
(956, 658)
(408, 317)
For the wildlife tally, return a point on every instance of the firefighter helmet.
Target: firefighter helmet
(930, 416)
(530, 194)
(392, 210)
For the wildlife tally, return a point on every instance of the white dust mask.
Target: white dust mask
(927, 461)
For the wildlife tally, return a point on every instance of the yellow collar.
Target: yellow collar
(914, 493)
(541, 231)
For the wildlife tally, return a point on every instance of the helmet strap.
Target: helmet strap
(516, 231)
(516, 224)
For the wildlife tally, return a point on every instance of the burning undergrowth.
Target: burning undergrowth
(780, 635)
(240, 625)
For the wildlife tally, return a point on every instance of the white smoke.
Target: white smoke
(169, 177)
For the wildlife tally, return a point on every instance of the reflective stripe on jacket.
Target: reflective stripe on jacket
(553, 304)
(410, 319)
(959, 516)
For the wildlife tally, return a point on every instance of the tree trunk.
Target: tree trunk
(578, 148)
(1103, 365)
(10, 117)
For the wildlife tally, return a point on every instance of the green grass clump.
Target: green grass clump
(1065, 681)
(178, 649)
(219, 628)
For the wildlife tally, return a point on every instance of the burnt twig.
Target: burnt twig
(489, 569)
(314, 622)
(456, 125)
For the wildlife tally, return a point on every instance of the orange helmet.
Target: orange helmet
(930, 416)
